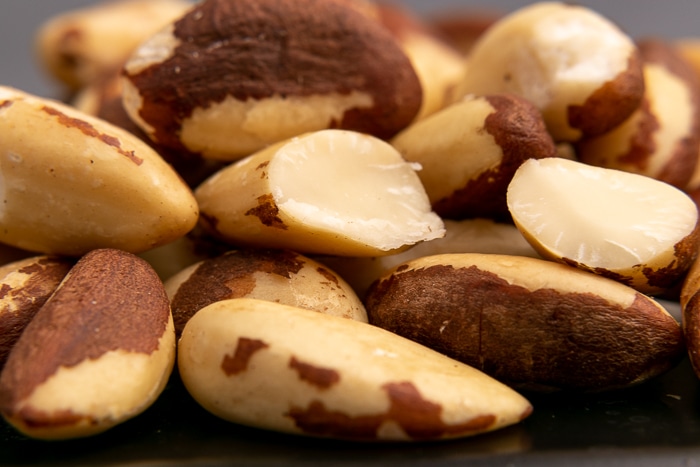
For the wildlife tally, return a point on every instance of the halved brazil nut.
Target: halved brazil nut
(72, 183)
(279, 276)
(334, 192)
(229, 78)
(99, 351)
(287, 369)
(530, 323)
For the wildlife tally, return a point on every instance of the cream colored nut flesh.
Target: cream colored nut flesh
(533, 324)
(71, 183)
(469, 151)
(463, 236)
(575, 65)
(26, 284)
(331, 192)
(96, 354)
(80, 46)
(626, 226)
(661, 139)
(334, 377)
(278, 276)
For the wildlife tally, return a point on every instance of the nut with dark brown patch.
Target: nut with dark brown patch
(97, 353)
(229, 78)
(469, 152)
(276, 275)
(101, 187)
(575, 65)
(334, 192)
(25, 285)
(318, 375)
(662, 138)
(533, 324)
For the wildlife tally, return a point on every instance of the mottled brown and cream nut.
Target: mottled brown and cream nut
(439, 66)
(279, 276)
(72, 183)
(79, 46)
(469, 151)
(98, 353)
(662, 138)
(575, 65)
(629, 227)
(25, 285)
(533, 324)
(333, 377)
(230, 78)
(463, 236)
(334, 192)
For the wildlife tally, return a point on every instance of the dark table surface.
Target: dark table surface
(657, 423)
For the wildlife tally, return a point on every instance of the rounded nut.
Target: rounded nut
(230, 78)
(99, 351)
(575, 65)
(333, 377)
(81, 46)
(25, 285)
(530, 323)
(332, 192)
(101, 187)
(629, 227)
(278, 276)
(662, 138)
(469, 151)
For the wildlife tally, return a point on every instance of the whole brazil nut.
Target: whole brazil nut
(579, 68)
(533, 324)
(333, 377)
(469, 151)
(661, 139)
(98, 352)
(229, 78)
(25, 285)
(279, 276)
(334, 192)
(73, 183)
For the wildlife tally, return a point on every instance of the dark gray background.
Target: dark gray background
(20, 18)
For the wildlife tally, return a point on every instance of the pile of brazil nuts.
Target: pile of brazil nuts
(339, 219)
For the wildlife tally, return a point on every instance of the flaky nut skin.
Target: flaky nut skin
(279, 57)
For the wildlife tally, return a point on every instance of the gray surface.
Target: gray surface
(20, 18)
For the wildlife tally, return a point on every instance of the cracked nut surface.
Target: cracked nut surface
(292, 370)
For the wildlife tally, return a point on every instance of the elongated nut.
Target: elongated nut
(25, 285)
(97, 353)
(80, 46)
(469, 152)
(278, 276)
(230, 78)
(662, 138)
(331, 192)
(73, 183)
(333, 377)
(626, 226)
(575, 65)
(530, 323)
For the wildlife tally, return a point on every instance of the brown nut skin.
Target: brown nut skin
(265, 71)
(25, 285)
(280, 276)
(462, 27)
(469, 152)
(689, 299)
(97, 353)
(532, 324)
(661, 139)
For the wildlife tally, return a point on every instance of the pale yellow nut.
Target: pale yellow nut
(334, 377)
(328, 192)
(626, 226)
(72, 183)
